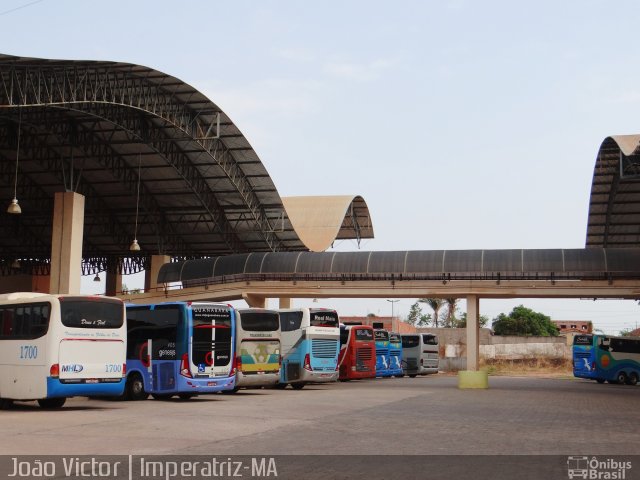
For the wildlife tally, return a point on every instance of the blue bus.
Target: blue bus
(179, 348)
(604, 358)
(395, 355)
(382, 353)
(310, 346)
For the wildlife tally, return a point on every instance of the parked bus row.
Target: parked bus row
(605, 358)
(58, 346)
(369, 353)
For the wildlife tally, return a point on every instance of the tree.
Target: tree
(436, 305)
(416, 317)
(523, 321)
(452, 307)
(462, 322)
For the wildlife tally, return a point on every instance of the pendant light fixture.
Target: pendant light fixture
(14, 207)
(135, 247)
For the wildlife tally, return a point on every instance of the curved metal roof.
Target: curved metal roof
(614, 206)
(103, 129)
(319, 221)
(438, 264)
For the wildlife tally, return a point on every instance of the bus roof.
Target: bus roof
(21, 295)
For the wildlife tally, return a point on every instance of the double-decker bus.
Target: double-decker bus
(395, 355)
(605, 358)
(357, 357)
(57, 346)
(257, 348)
(179, 348)
(420, 355)
(382, 352)
(310, 346)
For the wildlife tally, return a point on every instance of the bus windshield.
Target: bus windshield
(430, 339)
(211, 336)
(323, 319)
(410, 341)
(582, 340)
(78, 312)
(363, 335)
(259, 321)
(394, 338)
(382, 335)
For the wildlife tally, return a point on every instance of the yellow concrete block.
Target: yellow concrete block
(473, 379)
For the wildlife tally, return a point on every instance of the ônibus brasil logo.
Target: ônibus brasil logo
(598, 469)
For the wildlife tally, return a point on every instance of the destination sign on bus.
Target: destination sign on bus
(364, 335)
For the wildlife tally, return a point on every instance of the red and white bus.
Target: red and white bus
(357, 352)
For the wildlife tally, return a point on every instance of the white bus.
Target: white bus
(420, 355)
(257, 348)
(310, 346)
(58, 346)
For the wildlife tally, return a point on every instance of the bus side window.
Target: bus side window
(6, 323)
(604, 344)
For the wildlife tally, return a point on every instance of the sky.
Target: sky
(464, 124)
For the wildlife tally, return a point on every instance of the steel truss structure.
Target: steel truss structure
(110, 130)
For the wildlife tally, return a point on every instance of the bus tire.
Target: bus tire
(186, 396)
(413, 376)
(231, 392)
(632, 379)
(600, 380)
(5, 403)
(51, 403)
(134, 389)
(621, 377)
(280, 386)
(298, 386)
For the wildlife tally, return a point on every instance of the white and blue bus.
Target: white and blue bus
(179, 348)
(605, 358)
(395, 355)
(257, 348)
(310, 346)
(57, 346)
(383, 358)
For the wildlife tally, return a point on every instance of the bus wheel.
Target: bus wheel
(280, 386)
(134, 390)
(51, 403)
(186, 396)
(5, 403)
(600, 380)
(633, 378)
(298, 386)
(621, 378)
(232, 391)
(413, 376)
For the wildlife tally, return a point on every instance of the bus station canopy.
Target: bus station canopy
(154, 158)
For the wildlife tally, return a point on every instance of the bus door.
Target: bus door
(211, 342)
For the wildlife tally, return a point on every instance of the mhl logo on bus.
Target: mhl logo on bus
(73, 368)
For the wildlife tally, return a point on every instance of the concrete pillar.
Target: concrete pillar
(151, 275)
(473, 333)
(254, 301)
(284, 303)
(66, 242)
(113, 284)
(473, 377)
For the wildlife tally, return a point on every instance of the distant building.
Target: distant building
(392, 324)
(573, 326)
(635, 333)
